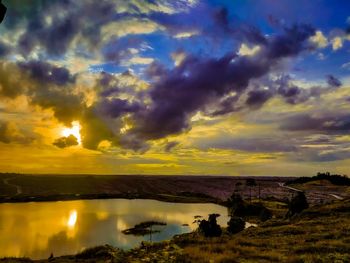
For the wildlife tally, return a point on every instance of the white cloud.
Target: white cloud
(138, 61)
(245, 50)
(186, 34)
(337, 43)
(162, 6)
(321, 56)
(129, 26)
(178, 57)
(346, 66)
(319, 39)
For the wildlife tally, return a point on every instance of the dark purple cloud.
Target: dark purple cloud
(292, 42)
(170, 145)
(69, 19)
(198, 82)
(64, 142)
(293, 94)
(256, 98)
(250, 144)
(333, 81)
(322, 123)
(115, 108)
(53, 88)
(47, 73)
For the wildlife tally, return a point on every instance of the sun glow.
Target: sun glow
(74, 130)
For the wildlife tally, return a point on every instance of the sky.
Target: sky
(187, 87)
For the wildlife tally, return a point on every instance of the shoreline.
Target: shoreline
(188, 198)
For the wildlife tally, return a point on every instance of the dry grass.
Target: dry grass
(320, 234)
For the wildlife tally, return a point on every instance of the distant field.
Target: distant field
(218, 187)
(23, 187)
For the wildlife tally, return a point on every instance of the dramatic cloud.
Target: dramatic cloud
(54, 27)
(10, 133)
(197, 82)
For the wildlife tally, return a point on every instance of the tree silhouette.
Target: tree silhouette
(250, 182)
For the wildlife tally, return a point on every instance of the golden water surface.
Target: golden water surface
(36, 230)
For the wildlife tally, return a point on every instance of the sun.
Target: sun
(74, 130)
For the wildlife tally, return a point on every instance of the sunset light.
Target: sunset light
(74, 130)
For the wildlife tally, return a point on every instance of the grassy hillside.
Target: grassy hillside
(319, 234)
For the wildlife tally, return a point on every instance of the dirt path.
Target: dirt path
(18, 188)
(289, 188)
(336, 196)
(297, 190)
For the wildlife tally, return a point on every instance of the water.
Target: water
(36, 229)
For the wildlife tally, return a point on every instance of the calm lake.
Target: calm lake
(36, 229)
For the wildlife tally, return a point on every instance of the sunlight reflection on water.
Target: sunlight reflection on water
(72, 219)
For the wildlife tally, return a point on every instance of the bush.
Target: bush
(297, 204)
(209, 227)
(235, 225)
(265, 214)
(237, 207)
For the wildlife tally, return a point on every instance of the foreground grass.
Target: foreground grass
(319, 234)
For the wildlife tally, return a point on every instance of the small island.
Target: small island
(144, 228)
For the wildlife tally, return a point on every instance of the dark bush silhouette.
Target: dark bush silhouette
(335, 179)
(237, 207)
(265, 214)
(209, 227)
(235, 225)
(234, 201)
(297, 204)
